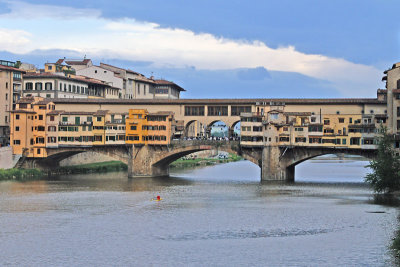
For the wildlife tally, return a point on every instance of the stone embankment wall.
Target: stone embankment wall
(7, 159)
(85, 158)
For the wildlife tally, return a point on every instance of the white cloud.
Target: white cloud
(13, 39)
(85, 31)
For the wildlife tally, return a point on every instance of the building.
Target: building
(11, 81)
(107, 76)
(52, 85)
(144, 128)
(278, 127)
(36, 125)
(167, 90)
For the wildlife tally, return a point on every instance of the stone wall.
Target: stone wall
(7, 159)
(86, 158)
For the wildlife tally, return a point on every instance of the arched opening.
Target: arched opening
(218, 130)
(195, 129)
(235, 130)
(216, 163)
(332, 168)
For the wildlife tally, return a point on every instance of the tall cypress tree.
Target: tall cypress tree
(385, 176)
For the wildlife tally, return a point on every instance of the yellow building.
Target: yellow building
(28, 127)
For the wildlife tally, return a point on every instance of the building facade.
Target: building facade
(11, 80)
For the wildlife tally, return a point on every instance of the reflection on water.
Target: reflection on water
(219, 215)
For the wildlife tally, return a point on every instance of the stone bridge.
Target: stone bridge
(276, 163)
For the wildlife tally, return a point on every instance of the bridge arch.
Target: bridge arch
(282, 167)
(155, 161)
(55, 155)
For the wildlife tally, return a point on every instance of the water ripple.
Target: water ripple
(243, 234)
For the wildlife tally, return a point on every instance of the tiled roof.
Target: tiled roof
(161, 113)
(204, 101)
(77, 113)
(101, 112)
(55, 112)
(164, 82)
(77, 78)
(43, 102)
(77, 62)
(10, 69)
(23, 111)
(298, 113)
(25, 100)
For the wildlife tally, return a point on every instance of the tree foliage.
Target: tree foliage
(385, 176)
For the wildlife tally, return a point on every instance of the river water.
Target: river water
(212, 216)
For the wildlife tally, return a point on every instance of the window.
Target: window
(98, 118)
(77, 120)
(341, 120)
(17, 116)
(40, 117)
(273, 116)
(133, 128)
(52, 129)
(48, 95)
(48, 86)
(194, 110)
(50, 67)
(17, 76)
(236, 110)
(17, 142)
(51, 118)
(313, 119)
(17, 128)
(28, 86)
(65, 119)
(95, 71)
(89, 119)
(69, 88)
(38, 151)
(38, 86)
(217, 111)
(60, 86)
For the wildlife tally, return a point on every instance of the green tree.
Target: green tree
(385, 176)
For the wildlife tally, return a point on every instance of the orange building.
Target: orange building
(146, 128)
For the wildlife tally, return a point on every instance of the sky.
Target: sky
(219, 48)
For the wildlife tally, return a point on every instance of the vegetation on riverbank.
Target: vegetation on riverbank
(190, 163)
(98, 167)
(385, 176)
(21, 174)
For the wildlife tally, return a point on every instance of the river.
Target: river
(213, 216)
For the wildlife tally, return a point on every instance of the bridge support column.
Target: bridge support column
(272, 168)
(141, 163)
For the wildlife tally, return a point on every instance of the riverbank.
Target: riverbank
(99, 167)
(20, 174)
(191, 163)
